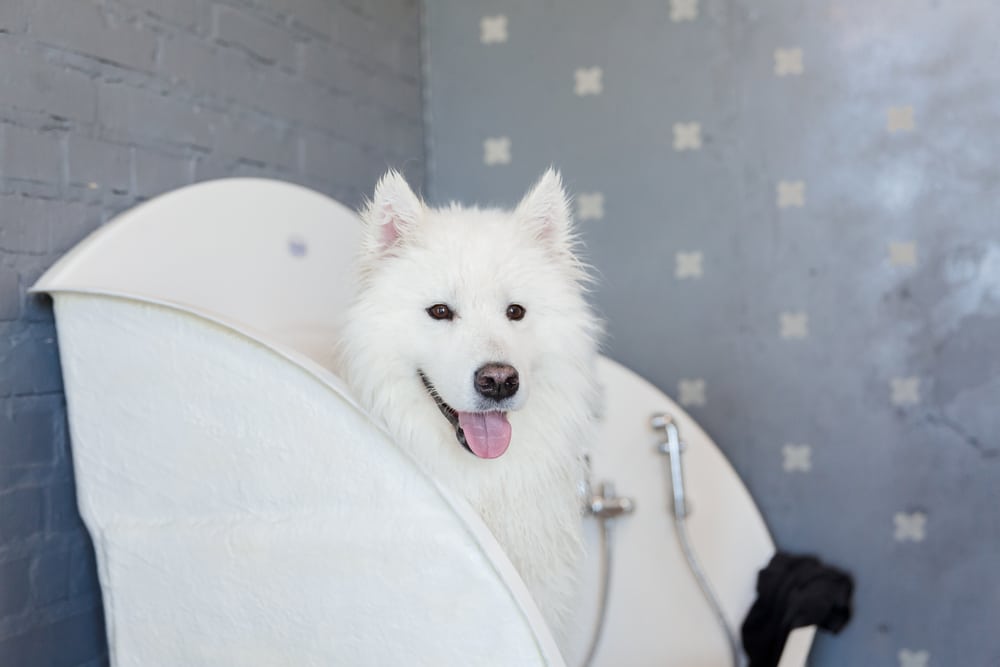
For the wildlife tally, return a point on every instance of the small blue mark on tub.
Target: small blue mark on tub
(297, 246)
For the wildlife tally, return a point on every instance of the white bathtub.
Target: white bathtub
(245, 510)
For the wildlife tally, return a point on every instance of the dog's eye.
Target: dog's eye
(440, 311)
(515, 312)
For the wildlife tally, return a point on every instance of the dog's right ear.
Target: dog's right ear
(393, 211)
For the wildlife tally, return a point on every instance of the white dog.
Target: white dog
(471, 338)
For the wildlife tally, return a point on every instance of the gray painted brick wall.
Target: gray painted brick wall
(104, 103)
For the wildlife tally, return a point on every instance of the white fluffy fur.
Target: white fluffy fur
(479, 261)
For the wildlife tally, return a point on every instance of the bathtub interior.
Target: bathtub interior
(271, 263)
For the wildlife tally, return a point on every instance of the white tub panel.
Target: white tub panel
(243, 513)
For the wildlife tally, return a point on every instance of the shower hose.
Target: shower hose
(605, 506)
(672, 448)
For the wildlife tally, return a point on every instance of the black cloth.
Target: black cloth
(792, 592)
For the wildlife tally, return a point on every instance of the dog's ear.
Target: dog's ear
(546, 208)
(393, 211)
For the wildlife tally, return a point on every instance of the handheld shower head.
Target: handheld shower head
(672, 447)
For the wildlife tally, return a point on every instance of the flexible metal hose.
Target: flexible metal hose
(672, 448)
(605, 506)
(735, 648)
(602, 611)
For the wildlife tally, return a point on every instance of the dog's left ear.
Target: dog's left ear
(546, 208)
(392, 212)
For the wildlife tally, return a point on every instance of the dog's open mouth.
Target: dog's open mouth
(485, 434)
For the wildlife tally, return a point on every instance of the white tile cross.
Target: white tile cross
(496, 150)
(588, 81)
(905, 391)
(908, 658)
(788, 62)
(589, 206)
(903, 254)
(797, 458)
(794, 325)
(688, 265)
(791, 193)
(493, 29)
(900, 119)
(910, 527)
(692, 392)
(683, 10)
(687, 136)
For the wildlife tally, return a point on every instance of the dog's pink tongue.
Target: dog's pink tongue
(486, 433)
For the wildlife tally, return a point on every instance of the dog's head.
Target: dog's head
(481, 309)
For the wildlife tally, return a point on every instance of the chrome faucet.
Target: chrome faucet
(606, 505)
(672, 447)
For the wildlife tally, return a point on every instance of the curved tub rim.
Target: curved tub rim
(56, 276)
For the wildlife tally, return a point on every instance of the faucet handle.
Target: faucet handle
(606, 505)
(660, 421)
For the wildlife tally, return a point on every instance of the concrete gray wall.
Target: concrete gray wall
(104, 103)
(793, 210)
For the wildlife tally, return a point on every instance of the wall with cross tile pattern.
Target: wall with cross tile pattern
(793, 208)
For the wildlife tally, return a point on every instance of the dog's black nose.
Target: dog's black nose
(497, 381)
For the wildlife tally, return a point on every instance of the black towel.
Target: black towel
(792, 592)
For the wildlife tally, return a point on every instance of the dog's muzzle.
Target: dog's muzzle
(485, 434)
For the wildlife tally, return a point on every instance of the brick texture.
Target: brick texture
(107, 103)
(266, 41)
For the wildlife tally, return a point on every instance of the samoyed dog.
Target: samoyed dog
(471, 339)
